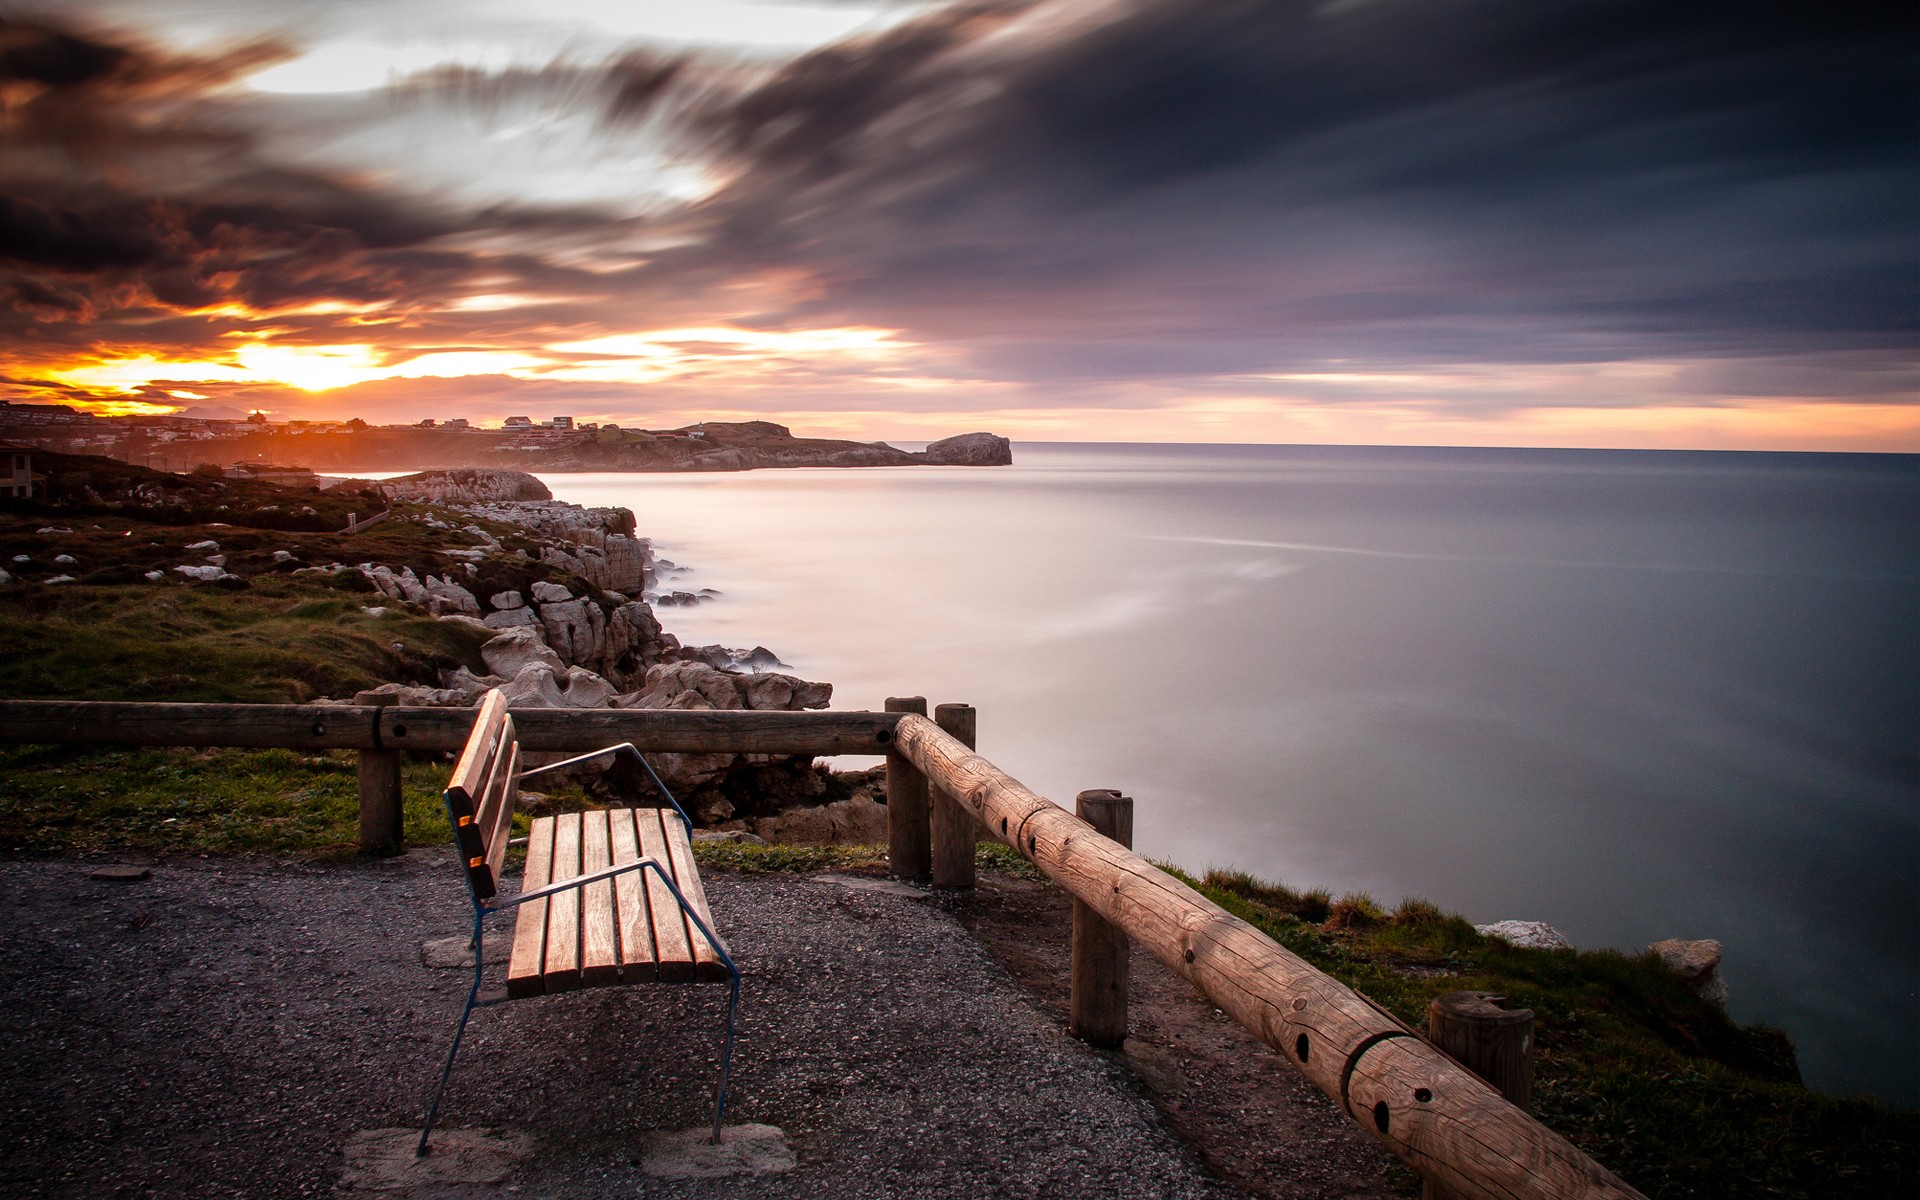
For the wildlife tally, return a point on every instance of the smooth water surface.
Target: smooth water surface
(1637, 695)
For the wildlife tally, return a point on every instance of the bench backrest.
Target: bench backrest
(481, 795)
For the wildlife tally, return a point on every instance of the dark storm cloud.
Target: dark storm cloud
(1369, 178)
(131, 187)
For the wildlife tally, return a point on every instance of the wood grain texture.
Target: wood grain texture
(954, 831)
(599, 939)
(496, 823)
(482, 743)
(352, 727)
(1099, 967)
(562, 970)
(637, 960)
(381, 825)
(1487, 1038)
(909, 821)
(673, 949)
(1465, 1135)
(296, 726)
(526, 964)
(706, 956)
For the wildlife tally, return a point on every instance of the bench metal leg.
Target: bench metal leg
(726, 1054)
(473, 996)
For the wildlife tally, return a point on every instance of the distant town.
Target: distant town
(286, 451)
(178, 442)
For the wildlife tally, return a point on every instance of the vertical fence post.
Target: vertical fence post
(953, 827)
(381, 816)
(909, 835)
(1494, 1043)
(1097, 1010)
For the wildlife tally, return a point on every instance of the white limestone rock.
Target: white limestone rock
(512, 618)
(1697, 962)
(206, 574)
(515, 649)
(546, 592)
(207, 547)
(505, 601)
(468, 685)
(444, 596)
(1528, 935)
(65, 560)
(538, 685)
(576, 629)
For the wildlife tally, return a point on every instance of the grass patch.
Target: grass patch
(65, 799)
(745, 856)
(1657, 1084)
(282, 640)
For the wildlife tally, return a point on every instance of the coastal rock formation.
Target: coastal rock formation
(1697, 962)
(576, 629)
(597, 544)
(516, 649)
(734, 662)
(463, 486)
(859, 821)
(538, 685)
(1528, 935)
(969, 450)
(713, 786)
(439, 595)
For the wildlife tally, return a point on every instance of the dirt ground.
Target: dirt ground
(1253, 1120)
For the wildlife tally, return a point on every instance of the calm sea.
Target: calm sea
(1637, 695)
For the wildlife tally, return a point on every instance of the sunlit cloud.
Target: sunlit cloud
(629, 358)
(953, 217)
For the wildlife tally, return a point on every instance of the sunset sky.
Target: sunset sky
(1620, 223)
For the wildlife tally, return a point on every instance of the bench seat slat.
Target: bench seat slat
(530, 928)
(563, 908)
(496, 816)
(637, 963)
(599, 949)
(674, 950)
(706, 958)
(481, 745)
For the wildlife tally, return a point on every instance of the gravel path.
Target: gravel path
(221, 1028)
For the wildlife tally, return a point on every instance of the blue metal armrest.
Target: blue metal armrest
(498, 905)
(630, 748)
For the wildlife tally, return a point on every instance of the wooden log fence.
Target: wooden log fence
(1098, 976)
(1453, 1128)
(1427, 1109)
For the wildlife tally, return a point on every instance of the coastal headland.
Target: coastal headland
(555, 444)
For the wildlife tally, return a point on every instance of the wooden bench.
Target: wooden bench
(608, 897)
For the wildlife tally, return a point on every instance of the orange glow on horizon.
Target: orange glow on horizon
(719, 352)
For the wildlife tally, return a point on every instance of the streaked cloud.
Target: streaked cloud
(1602, 222)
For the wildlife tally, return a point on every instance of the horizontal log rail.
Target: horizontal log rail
(1427, 1109)
(367, 727)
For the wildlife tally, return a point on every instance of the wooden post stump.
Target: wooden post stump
(954, 833)
(1494, 1043)
(1097, 1011)
(909, 828)
(382, 820)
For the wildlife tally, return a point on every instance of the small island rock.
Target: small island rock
(970, 450)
